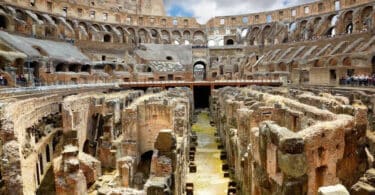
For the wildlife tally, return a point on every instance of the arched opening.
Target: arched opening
(366, 18)
(230, 42)
(48, 157)
(347, 62)
(332, 62)
(318, 64)
(199, 71)
(107, 38)
(373, 64)
(61, 68)
(283, 67)
(86, 68)
(3, 22)
(144, 165)
(331, 32)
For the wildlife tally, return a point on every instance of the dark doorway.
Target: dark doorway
(107, 38)
(332, 75)
(3, 22)
(373, 64)
(144, 165)
(202, 96)
(230, 42)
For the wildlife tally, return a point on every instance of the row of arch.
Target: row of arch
(74, 29)
(345, 22)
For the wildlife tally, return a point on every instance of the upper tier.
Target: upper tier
(145, 13)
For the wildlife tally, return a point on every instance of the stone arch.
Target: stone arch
(294, 65)
(252, 35)
(166, 37)
(186, 35)
(348, 22)
(229, 42)
(176, 36)
(282, 67)
(107, 38)
(154, 33)
(304, 30)
(107, 28)
(96, 27)
(347, 62)
(83, 31)
(198, 37)
(21, 15)
(266, 34)
(142, 36)
(199, 70)
(333, 62)
(366, 18)
(318, 64)
(132, 36)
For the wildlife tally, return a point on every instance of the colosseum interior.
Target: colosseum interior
(116, 97)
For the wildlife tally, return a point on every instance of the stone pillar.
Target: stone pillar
(69, 178)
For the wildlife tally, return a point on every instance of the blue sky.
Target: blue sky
(203, 10)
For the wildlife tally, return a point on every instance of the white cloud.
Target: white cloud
(203, 10)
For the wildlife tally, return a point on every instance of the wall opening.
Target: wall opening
(202, 96)
(199, 71)
(48, 156)
(3, 22)
(41, 164)
(107, 38)
(373, 64)
(144, 165)
(230, 42)
(320, 173)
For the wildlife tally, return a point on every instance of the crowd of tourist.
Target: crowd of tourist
(358, 80)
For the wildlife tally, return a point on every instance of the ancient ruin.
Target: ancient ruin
(116, 97)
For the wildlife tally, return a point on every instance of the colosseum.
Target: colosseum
(118, 97)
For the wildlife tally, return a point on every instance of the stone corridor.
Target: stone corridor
(209, 177)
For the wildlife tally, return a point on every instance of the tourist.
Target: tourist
(1, 79)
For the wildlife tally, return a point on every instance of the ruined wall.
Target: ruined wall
(279, 145)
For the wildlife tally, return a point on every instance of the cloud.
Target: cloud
(203, 10)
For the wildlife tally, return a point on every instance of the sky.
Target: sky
(203, 10)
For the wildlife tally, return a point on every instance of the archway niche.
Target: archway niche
(199, 71)
(230, 42)
(107, 38)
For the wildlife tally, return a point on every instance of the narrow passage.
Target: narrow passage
(209, 177)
